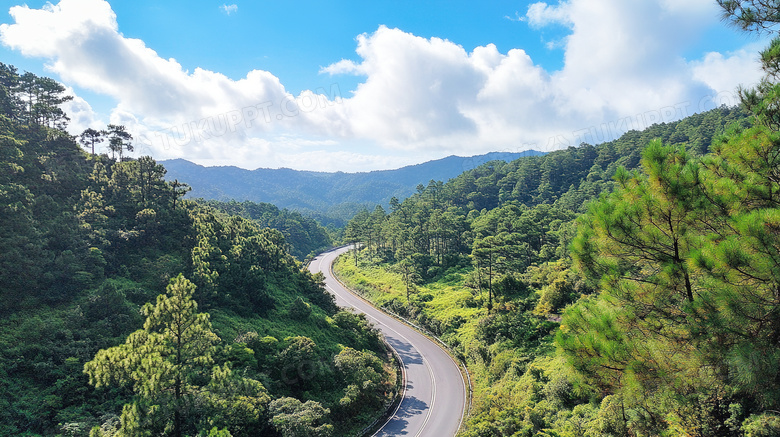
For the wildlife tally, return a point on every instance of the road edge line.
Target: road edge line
(467, 382)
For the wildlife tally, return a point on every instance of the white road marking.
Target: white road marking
(425, 361)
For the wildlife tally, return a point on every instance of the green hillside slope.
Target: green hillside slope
(583, 304)
(90, 243)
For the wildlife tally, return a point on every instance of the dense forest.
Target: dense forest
(624, 289)
(630, 288)
(304, 235)
(485, 262)
(126, 310)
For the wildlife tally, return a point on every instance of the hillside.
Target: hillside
(328, 195)
(622, 289)
(127, 310)
(304, 235)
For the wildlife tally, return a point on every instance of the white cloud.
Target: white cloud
(622, 60)
(229, 9)
(344, 66)
(517, 17)
(413, 91)
(81, 114)
(81, 41)
(421, 98)
(541, 14)
(724, 72)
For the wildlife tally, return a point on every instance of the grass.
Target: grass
(502, 370)
(445, 307)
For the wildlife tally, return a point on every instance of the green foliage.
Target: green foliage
(37, 100)
(88, 241)
(483, 261)
(675, 332)
(365, 377)
(301, 365)
(304, 235)
(299, 309)
(764, 425)
(637, 241)
(119, 140)
(357, 326)
(505, 217)
(685, 256)
(750, 15)
(293, 418)
(167, 364)
(560, 286)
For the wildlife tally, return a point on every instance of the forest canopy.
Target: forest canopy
(627, 288)
(127, 310)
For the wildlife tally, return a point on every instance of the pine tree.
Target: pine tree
(640, 334)
(90, 137)
(168, 365)
(119, 140)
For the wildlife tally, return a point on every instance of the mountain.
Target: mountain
(330, 194)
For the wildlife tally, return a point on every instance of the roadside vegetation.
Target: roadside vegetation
(495, 272)
(126, 310)
(624, 289)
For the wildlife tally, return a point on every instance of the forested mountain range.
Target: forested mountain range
(630, 288)
(623, 289)
(127, 310)
(327, 196)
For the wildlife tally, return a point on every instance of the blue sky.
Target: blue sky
(295, 39)
(357, 86)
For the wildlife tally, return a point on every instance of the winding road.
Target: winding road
(435, 395)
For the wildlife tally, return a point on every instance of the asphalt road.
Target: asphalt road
(435, 395)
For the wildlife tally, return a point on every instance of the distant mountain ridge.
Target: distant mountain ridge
(327, 194)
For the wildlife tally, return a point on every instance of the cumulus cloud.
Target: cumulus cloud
(419, 98)
(721, 72)
(541, 14)
(344, 66)
(623, 64)
(229, 9)
(164, 105)
(413, 90)
(81, 40)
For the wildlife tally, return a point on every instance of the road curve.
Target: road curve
(435, 396)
